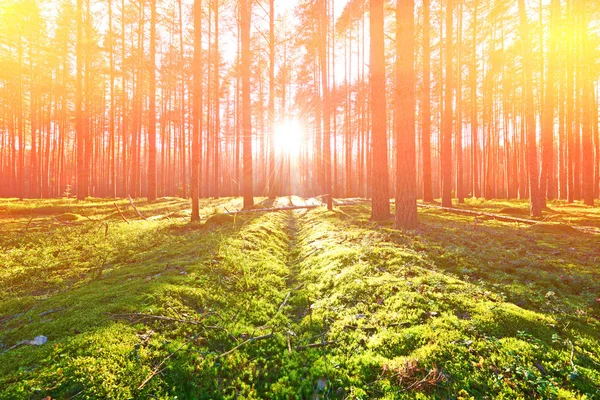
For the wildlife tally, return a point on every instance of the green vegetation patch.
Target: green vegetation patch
(295, 304)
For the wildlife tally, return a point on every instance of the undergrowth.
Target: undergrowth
(295, 304)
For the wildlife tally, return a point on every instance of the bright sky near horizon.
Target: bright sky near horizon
(285, 5)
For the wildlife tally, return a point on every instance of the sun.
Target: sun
(289, 136)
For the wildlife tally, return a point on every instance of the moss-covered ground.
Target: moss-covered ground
(297, 304)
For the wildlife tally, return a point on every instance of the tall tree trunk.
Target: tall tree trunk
(380, 176)
(246, 16)
(323, 21)
(182, 139)
(152, 107)
(547, 189)
(570, 114)
(111, 124)
(459, 117)
(217, 117)
(273, 176)
(426, 130)
(196, 111)
(79, 123)
(88, 126)
(406, 174)
(532, 164)
(124, 123)
(446, 149)
(474, 116)
(588, 108)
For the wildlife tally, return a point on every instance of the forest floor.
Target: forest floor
(296, 304)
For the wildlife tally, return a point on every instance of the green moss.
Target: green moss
(457, 310)
(220, 219)
(554, 228)
(514, 211)
(68, 217)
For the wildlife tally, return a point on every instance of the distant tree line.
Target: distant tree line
(409, 99)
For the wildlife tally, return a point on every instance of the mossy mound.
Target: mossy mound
(219, 220)
(69, 217)
(553, 217)
(257, 206)
(515, 211)
(180, 214)
(554, 228)
(267, 203)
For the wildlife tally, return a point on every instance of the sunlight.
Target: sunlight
(289, 136)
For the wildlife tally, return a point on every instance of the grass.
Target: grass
(296, 304)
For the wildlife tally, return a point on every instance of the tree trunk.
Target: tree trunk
(547, 189)
(587, 104)
(273, 175)
(323, 20)
(459, 117)
(446, 148)
(474, 116)
(426, 130)
(246, 16)
(406, 176)
(379, 175)
(196, 111)
(152, 107)
(79, 123)
(532, 164)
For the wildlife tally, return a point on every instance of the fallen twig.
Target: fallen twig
(29, 223)
(136, 209)
(251, 340)
(287, 298)
(120, 213)
(136, 317)
(316, 345)
(105, 225)
(572, 357)
(43, 313)
(66, 223)
(158, 369)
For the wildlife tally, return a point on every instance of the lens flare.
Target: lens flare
(289, 137)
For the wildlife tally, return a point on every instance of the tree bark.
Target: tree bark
(532, 164)
(246, 104)
(406, 176)
(474, 117)
(197, 111)
(446, 149)
(380, 177)
(79, 125)
(547, 189)
(273, 175)
(152, 107)
(426, 130)
(323, 20)
(588, 109)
